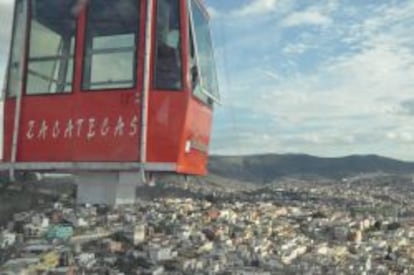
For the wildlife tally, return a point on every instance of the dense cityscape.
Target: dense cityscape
(358, 225)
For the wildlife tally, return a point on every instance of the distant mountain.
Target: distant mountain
(266, 168)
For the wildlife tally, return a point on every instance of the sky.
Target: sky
(321, 77)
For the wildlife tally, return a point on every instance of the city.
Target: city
(357, 225)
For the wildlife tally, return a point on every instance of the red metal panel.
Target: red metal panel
(9, 108)
(166, 118)
(193, 156)
(117, 127)
(174, 124)
(95, 126)
(39, 138)
(196, 131)
(176, 118)
(167, 109)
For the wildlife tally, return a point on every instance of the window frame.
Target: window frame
(5, 93)
(210, 98)
(27, 56)
(136, 64)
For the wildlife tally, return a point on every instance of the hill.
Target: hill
(269, 167)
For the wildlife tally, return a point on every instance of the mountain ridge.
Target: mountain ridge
(269, 167)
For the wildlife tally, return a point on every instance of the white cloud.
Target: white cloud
(401, 135)
(271, 74)
(296, 49)
(213, 12)
(308, 17)
(351, 102)
(257, 7)
(345, 87)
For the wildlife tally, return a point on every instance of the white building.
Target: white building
(7, 239)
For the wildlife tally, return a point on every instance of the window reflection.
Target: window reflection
(52, 32)
(204, 72)
(14, 76)
(168, 59)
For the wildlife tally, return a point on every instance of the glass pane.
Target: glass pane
(52, 43)
(168, 55)
(119, 72)
(110, 44)
(204, 54)
(195, 77)
(14, 77)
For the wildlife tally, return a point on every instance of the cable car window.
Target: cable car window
(206, 70)
(110, 44)
(52, 46)
(194, 74)
(14, 75)
(168, 73)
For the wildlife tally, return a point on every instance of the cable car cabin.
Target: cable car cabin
(109, 86)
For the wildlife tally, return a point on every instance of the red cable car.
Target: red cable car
(108, 89)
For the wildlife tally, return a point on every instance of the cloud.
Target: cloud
(344, 87)
(257, 7)
(213, 12)
(407, 107)
(296, 49)
(271, 74)
(333, 91)
(308, 17)
(401, 136)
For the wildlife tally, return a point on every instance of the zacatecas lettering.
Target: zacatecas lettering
(88, 128)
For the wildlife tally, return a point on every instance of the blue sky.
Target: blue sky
(323, 77)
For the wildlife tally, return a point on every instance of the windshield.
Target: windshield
(204, 55)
